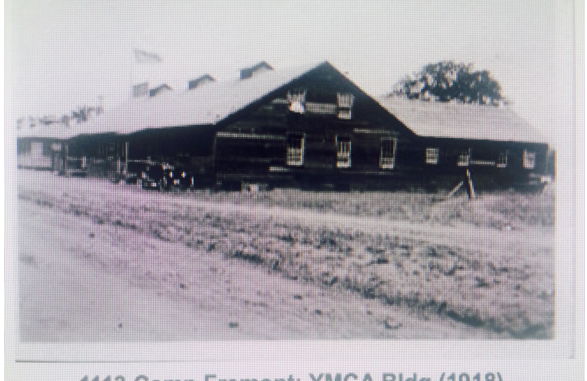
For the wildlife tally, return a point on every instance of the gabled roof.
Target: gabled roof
(217, 101)
(204, 105)
(461, 121)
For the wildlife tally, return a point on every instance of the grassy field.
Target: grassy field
(496, 209)
(487, 264)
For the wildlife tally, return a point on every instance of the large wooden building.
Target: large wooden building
(309, 126)
(40, 147)
(499, 148)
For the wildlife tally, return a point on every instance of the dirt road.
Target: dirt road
(102, 262)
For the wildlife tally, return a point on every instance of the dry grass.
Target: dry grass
(505, 286)
(500, 210)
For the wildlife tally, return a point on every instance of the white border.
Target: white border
(560, 358)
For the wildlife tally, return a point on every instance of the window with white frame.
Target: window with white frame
(529, 159)
(344, 114)
(345, 100)
(343, 152)
(464, 158)
(387, 156)
(345, 105)
(432, 155)
(297, 100)
(502, 160)
(295, 150)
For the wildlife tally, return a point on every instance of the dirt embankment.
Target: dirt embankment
(488, 264)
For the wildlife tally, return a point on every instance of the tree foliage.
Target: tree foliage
(80, 115)
(448, 81)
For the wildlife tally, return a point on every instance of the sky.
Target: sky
(61, 54)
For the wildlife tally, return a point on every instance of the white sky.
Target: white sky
(60, 54)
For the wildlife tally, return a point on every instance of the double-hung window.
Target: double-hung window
(297, 100)
(529, 159)
(432, 155)
(502, 160)
(387, 155)
(343, 152)
(464, 158)
(295, 150)
(345, 105)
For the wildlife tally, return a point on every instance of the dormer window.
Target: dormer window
(206, 78)
(256, 69)
(140, 90)
(159, 90)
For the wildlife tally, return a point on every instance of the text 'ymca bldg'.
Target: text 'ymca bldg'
(308, 126)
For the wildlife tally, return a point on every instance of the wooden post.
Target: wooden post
(471, 191)
(455, 189)
(126, 157)
(65, 156)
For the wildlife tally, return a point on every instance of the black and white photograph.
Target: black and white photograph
(234, 171)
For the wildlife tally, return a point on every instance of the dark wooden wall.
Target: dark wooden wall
(252, 144)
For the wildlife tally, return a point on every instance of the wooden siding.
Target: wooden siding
(292, 134)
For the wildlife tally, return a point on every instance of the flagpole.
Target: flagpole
(132, 60)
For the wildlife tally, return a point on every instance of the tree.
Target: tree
(81, 114)
(448, 81)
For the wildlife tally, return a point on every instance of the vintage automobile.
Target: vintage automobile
(179, 178)
(166, 177)
(135, 171)
(77, 167)
(155, 177)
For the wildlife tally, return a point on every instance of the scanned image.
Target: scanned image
(200, 172)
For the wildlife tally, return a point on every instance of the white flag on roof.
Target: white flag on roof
(146, 57)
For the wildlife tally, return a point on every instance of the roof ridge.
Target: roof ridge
(205, 105)
(461, 121)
